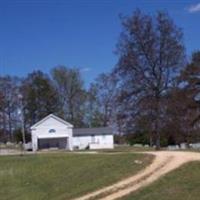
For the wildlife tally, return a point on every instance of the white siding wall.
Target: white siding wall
(42, 131)
(63, 130)
(94, 142)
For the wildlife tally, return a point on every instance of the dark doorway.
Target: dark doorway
(60, 143)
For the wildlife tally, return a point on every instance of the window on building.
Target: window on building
(52, 131)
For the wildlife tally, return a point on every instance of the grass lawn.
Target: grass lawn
(181, 184)
(62, 176)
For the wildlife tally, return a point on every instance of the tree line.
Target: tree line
(152, 94)
(61, 92)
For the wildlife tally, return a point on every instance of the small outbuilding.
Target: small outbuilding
(54, 132)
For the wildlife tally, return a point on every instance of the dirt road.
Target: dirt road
(164, 162)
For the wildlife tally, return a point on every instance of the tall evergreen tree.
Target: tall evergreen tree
(190, 85)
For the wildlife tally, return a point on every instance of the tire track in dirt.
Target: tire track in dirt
(164, 162)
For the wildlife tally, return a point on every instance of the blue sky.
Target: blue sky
(41, 34)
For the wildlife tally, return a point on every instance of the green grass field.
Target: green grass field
(181, 184)
(62, 176)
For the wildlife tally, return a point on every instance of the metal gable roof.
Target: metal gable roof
(92, 131)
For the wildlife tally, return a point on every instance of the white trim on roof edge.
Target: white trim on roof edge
(52, 116)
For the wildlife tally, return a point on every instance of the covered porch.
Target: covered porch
(53, 143)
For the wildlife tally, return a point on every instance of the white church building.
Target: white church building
(53, 132)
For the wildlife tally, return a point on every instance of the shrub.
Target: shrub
(18, 136)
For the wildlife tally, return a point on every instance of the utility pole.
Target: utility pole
(22, 120)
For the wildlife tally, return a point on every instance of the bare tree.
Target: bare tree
(151, 52)
(39, 97)
(9, 87)
(70, 87)
(102, 100)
